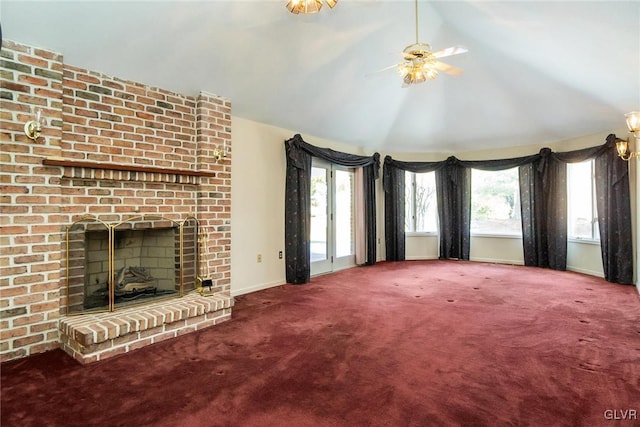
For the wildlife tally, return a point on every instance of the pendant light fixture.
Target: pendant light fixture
(308, 6)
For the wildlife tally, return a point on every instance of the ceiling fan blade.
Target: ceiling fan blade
(449, 69)
(383, 69)
(450, 51)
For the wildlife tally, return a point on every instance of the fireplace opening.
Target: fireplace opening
(137, 261)
(144, 264)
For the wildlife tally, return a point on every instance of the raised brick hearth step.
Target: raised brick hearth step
(92, 337)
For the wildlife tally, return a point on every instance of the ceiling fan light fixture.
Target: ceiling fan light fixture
(416, 72)
(421, 64)
(414, 77)
(308, 6)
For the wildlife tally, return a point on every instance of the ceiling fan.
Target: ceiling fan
(420, 63)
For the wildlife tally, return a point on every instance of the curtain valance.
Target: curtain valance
(540, 159)
(296, 148)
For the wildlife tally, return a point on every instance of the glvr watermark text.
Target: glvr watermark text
(621, 414)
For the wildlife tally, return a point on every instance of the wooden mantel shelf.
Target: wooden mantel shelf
(56, 161)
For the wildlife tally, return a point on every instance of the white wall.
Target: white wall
(584, 258)
(257, 205)
(257, 202)
(421, 246)
(505, 250)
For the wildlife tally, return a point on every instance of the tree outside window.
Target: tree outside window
(420, 202)
(495, 202)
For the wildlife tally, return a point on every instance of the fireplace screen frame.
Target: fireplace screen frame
(138, 222)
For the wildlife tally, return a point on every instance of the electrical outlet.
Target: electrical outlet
(280, 255)
(259, 257)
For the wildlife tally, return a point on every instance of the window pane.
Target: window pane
(495, 202)
(344, 213)
(425, 202)
(318, 214)
(582, 222)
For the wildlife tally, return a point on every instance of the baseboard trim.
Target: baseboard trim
(585, 271)
(419, 258)
(498, 261)
(261, 286)
(254, 288)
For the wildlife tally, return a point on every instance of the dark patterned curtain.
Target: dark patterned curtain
(370, 173)
(543, 193)
(614, 214)
(453, 188)
(394, 215)
(543, 209)
(530, 211)
(298, 202)
(297, 215)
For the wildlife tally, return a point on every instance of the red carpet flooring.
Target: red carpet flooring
(417, 343)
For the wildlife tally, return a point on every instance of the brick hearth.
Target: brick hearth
(93, 337)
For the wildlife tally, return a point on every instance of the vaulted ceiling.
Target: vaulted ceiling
(536, 72)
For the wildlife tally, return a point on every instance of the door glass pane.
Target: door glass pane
(344, 213)
(319, 221)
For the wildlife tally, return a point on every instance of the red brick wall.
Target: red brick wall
(30, 201)
(96, 118)
(111, 120)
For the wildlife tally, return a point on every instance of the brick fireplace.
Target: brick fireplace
(115, 150)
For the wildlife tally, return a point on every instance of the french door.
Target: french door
(332, 217)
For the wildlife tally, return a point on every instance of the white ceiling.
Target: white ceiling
(536, 72)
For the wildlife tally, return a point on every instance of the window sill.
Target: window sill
(420, 234)
(584, 241)
(497, 236)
